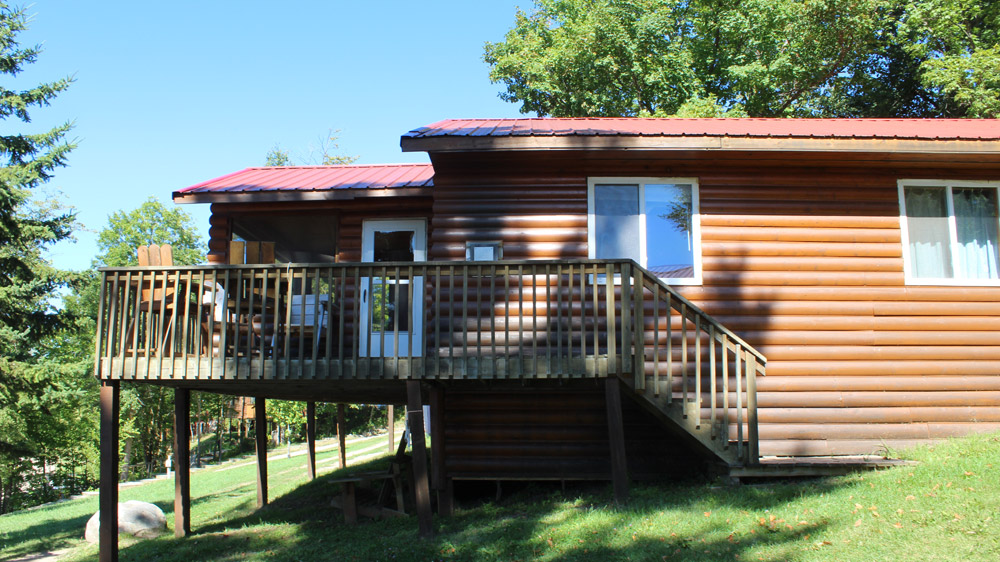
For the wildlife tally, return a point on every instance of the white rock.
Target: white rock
(140, 519)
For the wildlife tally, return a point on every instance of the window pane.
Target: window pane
(927, 226)
(669, 234)
(976, 223)
(393, 245)
(616, 222)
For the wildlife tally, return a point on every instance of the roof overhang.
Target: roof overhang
(698, 143)
(291, 196)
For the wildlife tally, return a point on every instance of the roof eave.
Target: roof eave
(284, 196)
(668, 143)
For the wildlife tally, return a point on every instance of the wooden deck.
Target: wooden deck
(354, 329)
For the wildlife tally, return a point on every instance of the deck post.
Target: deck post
(415, 419)
(391, 427)
(182, 462)
(311, 439)
(260, 432)
(108, 502)
(342, 435)
(438, 475)
(616, 439)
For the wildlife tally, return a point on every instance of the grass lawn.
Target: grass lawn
(946, 508)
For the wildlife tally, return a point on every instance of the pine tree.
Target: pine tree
(27, 280)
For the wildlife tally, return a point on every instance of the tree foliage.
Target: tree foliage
(761, 58)
(30, 392)
(324, 153)
(150, 223)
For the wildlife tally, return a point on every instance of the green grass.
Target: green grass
(946, 508)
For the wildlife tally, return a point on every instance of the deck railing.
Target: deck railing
(428, 320)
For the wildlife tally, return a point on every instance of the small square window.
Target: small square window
(484, 251)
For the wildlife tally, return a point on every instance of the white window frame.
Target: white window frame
(948, 185)
(642, 182)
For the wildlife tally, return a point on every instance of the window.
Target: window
(653, 221)
(483, 251)
(950, 232)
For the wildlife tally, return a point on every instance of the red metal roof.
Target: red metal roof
(918, 129)
(317, 178)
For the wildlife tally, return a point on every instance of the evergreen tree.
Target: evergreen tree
(27, 281)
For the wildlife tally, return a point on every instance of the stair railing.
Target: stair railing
(679, 349)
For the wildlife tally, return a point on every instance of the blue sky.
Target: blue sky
(171, 94)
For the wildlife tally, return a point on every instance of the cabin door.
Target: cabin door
(390, 322)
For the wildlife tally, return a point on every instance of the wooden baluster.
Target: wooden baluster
(753, 450)
(211, 323)
(238, 327)
(102, 311)
(656, 340)
(479, 320)
(251, 284)
(172, 328)
(451, 321)
(725, 390)
(437, 322)
(596, 315)
(533, 269)
(266, 342)
(684, 357)
(560, 361)
(639, 333)
(739, 403)
(609, 297)
(520, 321)
(316, 326)
(670, 349)
(124, 323)
(626, 317)
(398, 285)
(493, 320)
(342, 307)
(465, 320)
(697, 362)
(549, 360)
(328, 319)
(186, 322)
(411, 324)
(289, 282)
(711, 379)
(137, 323)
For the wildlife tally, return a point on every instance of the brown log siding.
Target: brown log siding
(802, 257)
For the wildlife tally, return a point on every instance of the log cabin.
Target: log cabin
(597, 298)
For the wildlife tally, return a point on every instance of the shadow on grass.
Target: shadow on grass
(661, 522)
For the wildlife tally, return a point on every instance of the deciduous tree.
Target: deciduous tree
(762, 58)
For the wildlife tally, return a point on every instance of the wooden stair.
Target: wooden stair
(680, 415)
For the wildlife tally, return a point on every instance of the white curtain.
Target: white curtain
(976, 223)
(927, 226)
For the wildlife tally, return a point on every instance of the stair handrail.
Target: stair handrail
(755, 362)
